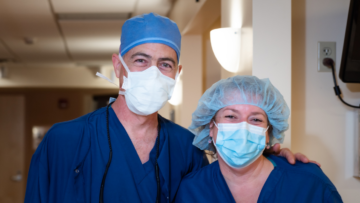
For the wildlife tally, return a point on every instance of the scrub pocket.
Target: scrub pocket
(79, 184)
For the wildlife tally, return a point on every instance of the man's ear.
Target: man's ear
(117, 64)
(180, 69)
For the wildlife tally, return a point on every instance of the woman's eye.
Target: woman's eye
(230, 116)
(257, 120)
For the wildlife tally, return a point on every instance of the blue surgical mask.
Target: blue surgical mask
(240, 144)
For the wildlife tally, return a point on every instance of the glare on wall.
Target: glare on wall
(176, 98)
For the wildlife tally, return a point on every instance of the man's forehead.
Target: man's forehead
(153, 50)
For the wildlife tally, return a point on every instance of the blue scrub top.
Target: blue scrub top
(286, 183)
(69, 164)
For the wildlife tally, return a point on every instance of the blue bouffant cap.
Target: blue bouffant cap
(150, 28)
(240, 90)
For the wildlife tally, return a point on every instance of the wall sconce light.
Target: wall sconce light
(226, 45)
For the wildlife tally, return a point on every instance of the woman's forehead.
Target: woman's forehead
(244, 109)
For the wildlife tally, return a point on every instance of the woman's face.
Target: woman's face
(237, 114)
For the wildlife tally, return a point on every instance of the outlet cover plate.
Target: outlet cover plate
(326, 50)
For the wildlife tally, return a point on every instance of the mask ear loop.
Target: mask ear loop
(126, 68)
(106, 78)
(267, 144)
(212, 139)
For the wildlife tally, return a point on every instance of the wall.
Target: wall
(183, 11)
(211, 66)
(320, 122)
(69, 77)
(191, 59)
(41, 109)
(272, 47)
(12, 123)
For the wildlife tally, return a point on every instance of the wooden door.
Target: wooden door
(12, 123)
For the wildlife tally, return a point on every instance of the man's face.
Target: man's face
(146, 55)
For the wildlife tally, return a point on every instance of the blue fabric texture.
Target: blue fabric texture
(299, 183)
(240, 90)
(150, 28)
(69, 164)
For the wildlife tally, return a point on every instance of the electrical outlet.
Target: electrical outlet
(326, 50)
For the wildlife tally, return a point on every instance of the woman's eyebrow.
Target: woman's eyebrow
(257, 113)
(231, 109)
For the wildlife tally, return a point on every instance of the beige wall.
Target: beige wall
(191, 59)
(68, 77)
(41, 109)
(183, 11)
(272, 47)
(321, 124)
(211, 66)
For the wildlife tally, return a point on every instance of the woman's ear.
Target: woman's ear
(268, 135)
(211, 126)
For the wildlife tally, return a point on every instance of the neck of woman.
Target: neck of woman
(257, 172)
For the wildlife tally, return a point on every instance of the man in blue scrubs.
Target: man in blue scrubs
(125, 152)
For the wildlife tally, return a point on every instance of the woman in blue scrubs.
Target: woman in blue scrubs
(238, 118)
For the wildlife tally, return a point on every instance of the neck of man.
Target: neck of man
(137, 126)
(255, 172)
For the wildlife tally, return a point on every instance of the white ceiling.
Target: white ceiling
(62, 41)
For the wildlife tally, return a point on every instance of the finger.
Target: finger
(275, 149)
(314, 162)
(285, 152)
(301, 157)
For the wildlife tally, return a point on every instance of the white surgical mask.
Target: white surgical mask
(147, 91)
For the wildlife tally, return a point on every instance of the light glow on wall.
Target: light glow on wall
(226, 45)
(176, 98)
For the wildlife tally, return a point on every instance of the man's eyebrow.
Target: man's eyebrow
(141, 54)
(167, 59)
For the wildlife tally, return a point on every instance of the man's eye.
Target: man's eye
(230, 116)
(257, 120)
(140, 60)
(165, 65)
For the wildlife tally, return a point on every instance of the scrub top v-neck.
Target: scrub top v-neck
(299, 183)
(69, 164)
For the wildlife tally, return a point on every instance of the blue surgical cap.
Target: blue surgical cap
(150, 28)
(240, 90)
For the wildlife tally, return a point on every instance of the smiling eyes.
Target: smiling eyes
(140, 60)
(162, 65)
(252, 119)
